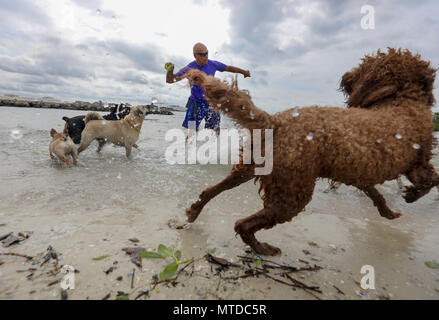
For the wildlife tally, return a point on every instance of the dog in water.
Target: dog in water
(386, 131)
(124, 132)
(62, 146)
(76, 125)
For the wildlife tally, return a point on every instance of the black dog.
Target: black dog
(76, 125)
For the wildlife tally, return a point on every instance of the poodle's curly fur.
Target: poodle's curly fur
(386, 131)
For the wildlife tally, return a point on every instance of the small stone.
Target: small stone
(135, 240)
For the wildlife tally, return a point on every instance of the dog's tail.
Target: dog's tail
(228, 99)
(93, 116)
(52, 132)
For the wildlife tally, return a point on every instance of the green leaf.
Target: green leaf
(257, 262)
(432, 264)
(101, 257)
(169, 271)
(178, 255)
(164, 251)
(123, 297)
(211, 251)
(150, 255)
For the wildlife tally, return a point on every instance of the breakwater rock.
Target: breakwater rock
(78, 105)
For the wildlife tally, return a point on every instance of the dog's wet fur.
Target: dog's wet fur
(386, 131)
(75, 125)
(62, 146)
(124, 132)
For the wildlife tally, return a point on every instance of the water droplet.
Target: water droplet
(98, 11)
(398, 136)
(242, 107)
(16, 134)
(416, 146)
(379, 140)
(310, 136)
(295, 112)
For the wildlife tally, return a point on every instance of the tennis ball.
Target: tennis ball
(168, 67)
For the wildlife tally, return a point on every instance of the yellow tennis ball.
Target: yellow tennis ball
(168, 67)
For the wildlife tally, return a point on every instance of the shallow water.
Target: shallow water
(92, 209)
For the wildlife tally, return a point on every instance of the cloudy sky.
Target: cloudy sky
(114, 50)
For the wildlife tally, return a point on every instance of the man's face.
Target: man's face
(201, 55)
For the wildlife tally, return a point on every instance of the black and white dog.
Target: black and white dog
(76, 125)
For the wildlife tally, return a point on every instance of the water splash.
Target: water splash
(295, 112)
(16, 134)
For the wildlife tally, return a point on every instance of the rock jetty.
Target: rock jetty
(16, 101)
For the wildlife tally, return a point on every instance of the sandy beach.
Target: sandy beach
(88, 214)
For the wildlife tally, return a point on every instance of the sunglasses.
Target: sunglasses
(202, 54)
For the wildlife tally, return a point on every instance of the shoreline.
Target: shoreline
(82, 106)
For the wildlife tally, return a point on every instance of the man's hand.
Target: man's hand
(169, 66)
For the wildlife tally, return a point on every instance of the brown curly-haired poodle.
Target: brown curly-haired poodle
(386, 131)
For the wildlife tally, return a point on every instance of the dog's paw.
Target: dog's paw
(393, 215)
(192, 214)
(410, 194)
(266, 249)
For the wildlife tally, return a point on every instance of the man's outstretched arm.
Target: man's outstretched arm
(233, 69)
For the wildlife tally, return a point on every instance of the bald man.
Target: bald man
(197, 106)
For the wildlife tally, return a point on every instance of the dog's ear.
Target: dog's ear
(66, 119)
(66, 128)
(378, 94)
(52, 132)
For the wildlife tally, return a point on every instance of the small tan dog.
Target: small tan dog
(62, 146)
(124, 132)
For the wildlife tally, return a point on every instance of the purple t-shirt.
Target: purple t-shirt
(212, 66)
